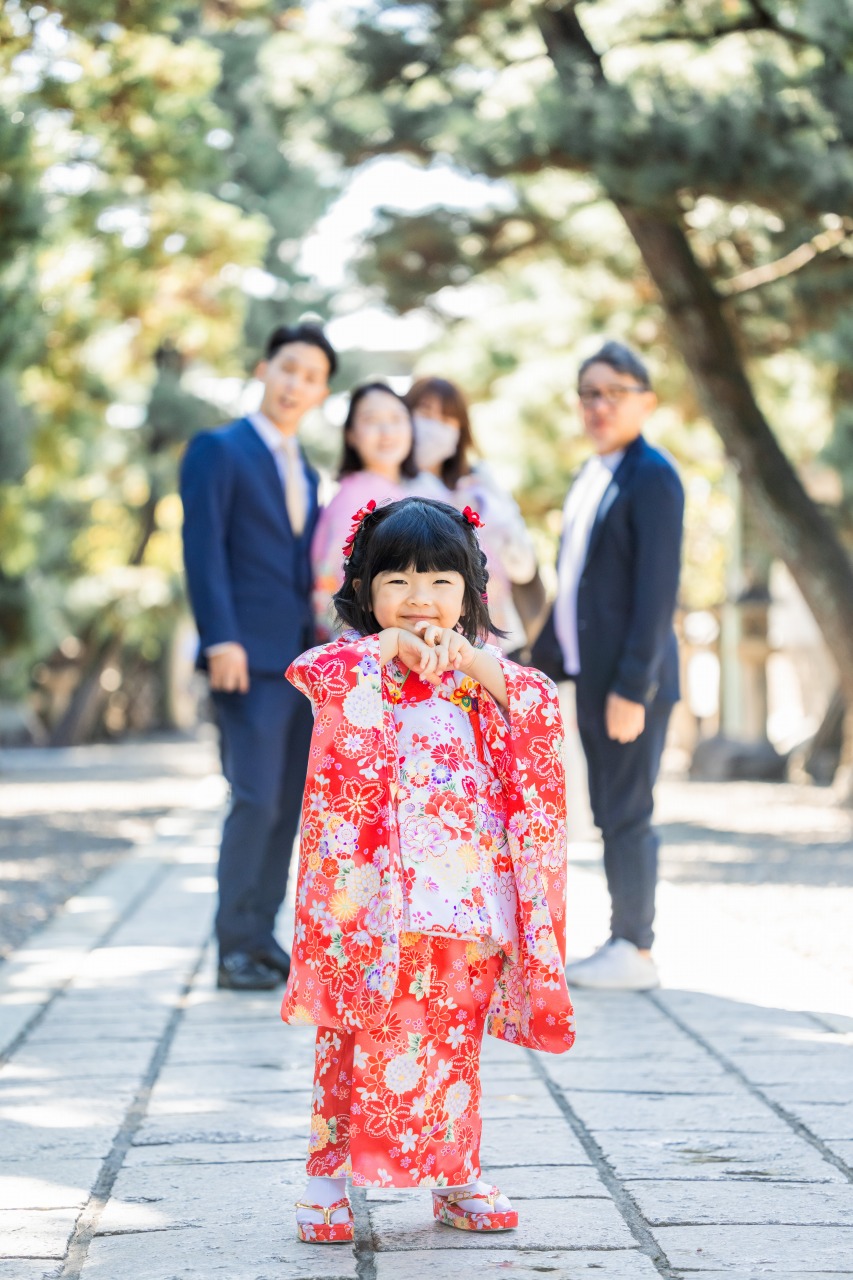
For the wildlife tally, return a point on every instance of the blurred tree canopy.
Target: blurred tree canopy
(700, 154)
(148, 219)
(678, 174)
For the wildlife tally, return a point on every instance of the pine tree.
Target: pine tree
(721, 135)
(132, 255)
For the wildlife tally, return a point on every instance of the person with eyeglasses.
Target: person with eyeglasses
(611, 632)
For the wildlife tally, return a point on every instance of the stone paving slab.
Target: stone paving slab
(519, 1102)
(201, 1196)
(669, 1202)
(565, 1224)
(712, 1155)
(183, 1080)
(510, 1144)
(833, 1090)
(263, 1151)
(51, 1183)
(240, 1253)
(36, 1233)
(520, 1264)
(678, 1113)
(641, 1077)
(19, 1269)
(799, 1250)
(830, 1120)
(252, 1127)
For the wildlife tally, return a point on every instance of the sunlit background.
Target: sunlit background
(419, 178)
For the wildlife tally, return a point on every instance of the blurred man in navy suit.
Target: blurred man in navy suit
(250, 507)
(611, 631)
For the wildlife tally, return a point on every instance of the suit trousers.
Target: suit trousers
(265, 736)
(621, 781)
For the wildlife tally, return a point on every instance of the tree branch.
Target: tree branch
(720, 32)
(770, 22)
(697, 37)
(787, 265)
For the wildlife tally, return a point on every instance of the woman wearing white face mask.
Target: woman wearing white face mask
(378, 464)
(443, 442)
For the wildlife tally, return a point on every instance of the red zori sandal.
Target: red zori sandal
(326, 1232)
(447, 1209)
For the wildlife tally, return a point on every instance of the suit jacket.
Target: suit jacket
(627, 589)
(249, 576)
(349, 896)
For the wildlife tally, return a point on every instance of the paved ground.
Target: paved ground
(152, 1128)
(66, 815)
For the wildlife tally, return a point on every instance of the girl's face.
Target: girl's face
(400, 599)
(381, 433)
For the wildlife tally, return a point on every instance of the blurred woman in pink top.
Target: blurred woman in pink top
(378, 463)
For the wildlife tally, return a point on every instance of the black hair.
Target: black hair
(621, 359)
(350, 459)
(310, 333)
(419, 533)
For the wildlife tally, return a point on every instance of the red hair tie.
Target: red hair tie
(356, 525)
(473, 518)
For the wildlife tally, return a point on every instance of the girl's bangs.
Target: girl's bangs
(424, 539)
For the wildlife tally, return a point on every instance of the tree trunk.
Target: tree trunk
(799, 532)
(796, 528)
(84, 711)
(86, 707)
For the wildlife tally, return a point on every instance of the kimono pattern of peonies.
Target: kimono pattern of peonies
(349, 905)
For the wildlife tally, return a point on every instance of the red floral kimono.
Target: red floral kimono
(346, 950)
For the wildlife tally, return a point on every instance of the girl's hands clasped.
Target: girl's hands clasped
(432, 650)
(416, 654)
(452, 651)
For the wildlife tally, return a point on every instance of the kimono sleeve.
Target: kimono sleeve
(537, 737)
(330, 671)
(530, 1004)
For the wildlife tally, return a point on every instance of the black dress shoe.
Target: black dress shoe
(274, 957)
(241, 972)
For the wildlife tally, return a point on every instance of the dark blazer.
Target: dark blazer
(628, 588)
(249, 577)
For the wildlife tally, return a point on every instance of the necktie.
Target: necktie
(294, 484)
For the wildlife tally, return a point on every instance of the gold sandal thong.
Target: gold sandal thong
(326, 1232)
(447, 1209)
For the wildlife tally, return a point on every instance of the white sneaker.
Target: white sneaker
(617, 966)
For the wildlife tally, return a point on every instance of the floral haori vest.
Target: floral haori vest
(352, 902)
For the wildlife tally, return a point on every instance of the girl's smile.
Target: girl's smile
(404, 598)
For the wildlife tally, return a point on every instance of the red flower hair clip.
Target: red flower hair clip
(473, 517)
(356, 525)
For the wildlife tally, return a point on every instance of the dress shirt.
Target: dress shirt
(288, 460)
(579, 514)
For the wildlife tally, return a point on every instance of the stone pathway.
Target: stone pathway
(66, 815)
(152, 1128)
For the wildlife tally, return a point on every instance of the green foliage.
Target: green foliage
(732, 117)
(141, 179)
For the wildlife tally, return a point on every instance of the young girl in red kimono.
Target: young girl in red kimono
(431, 892)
